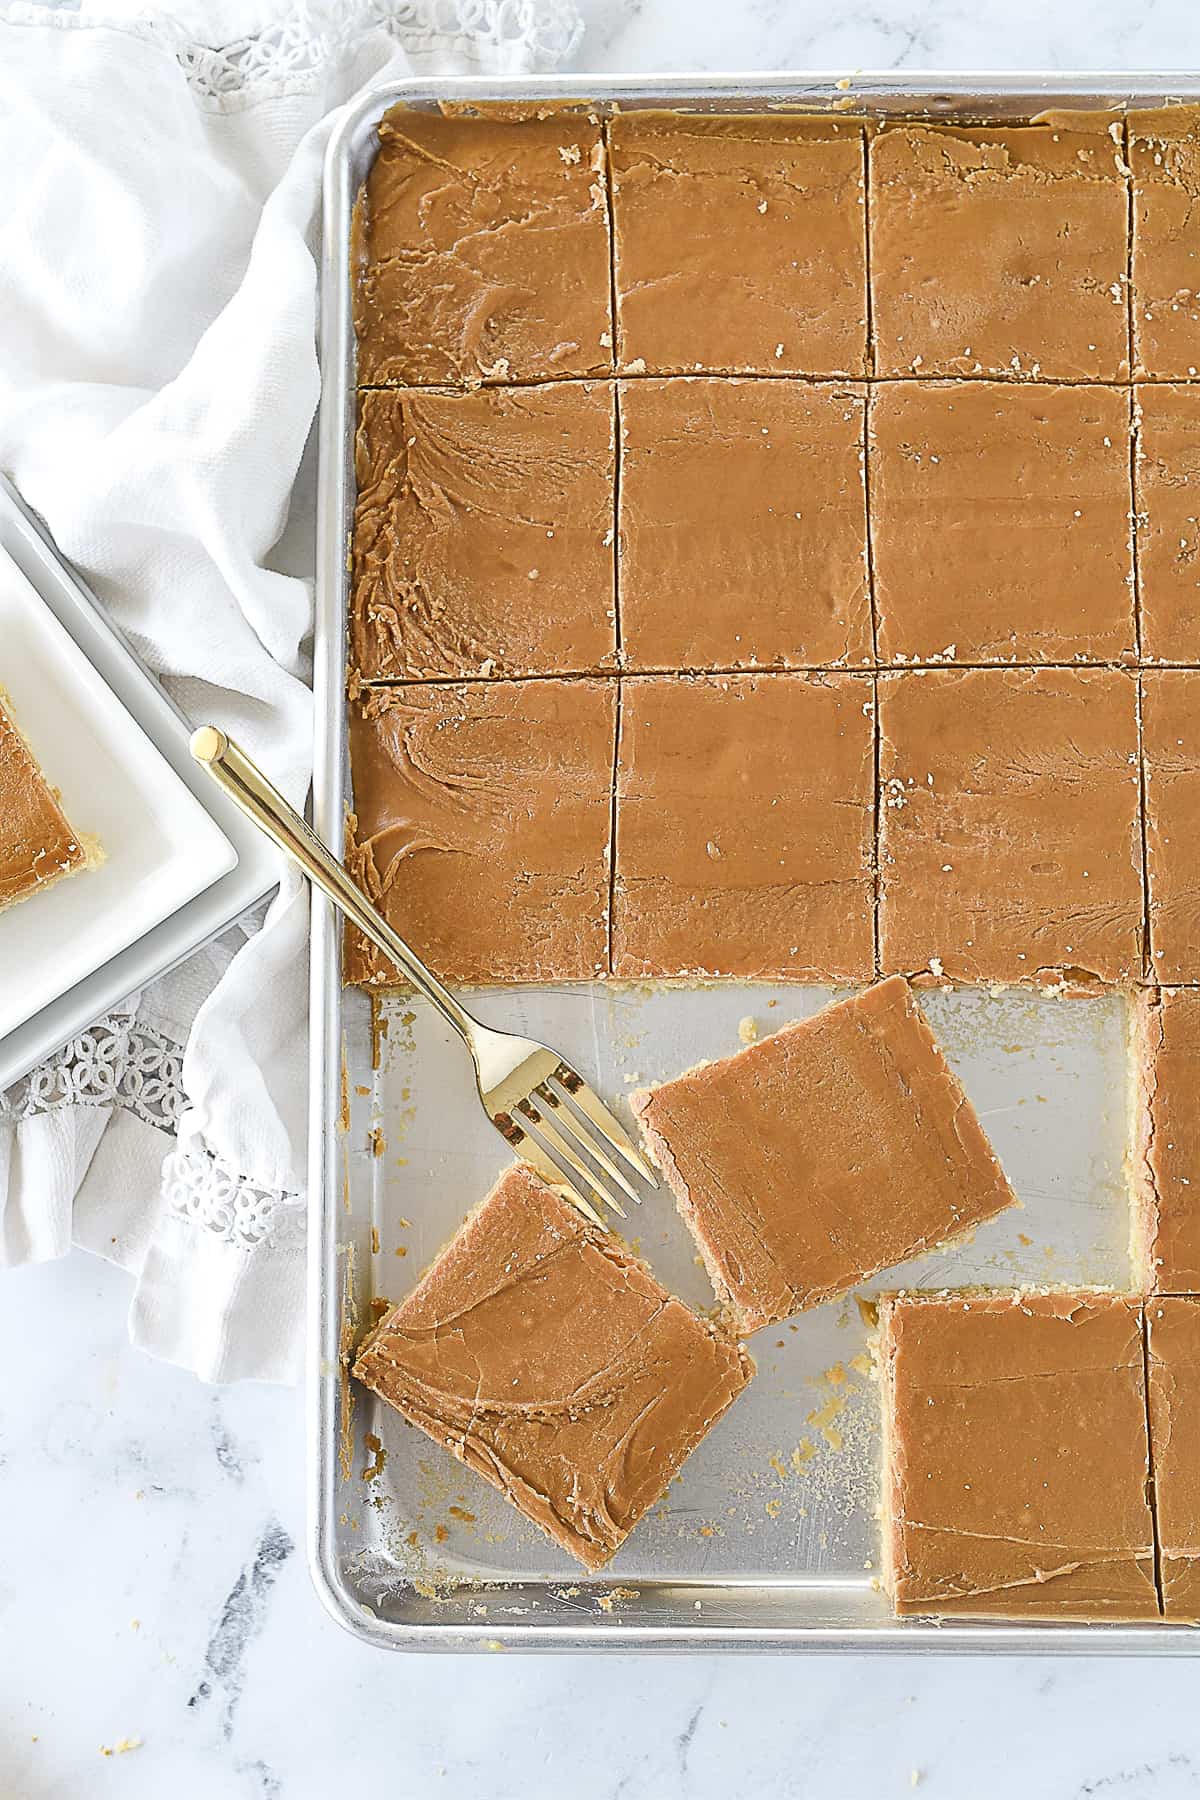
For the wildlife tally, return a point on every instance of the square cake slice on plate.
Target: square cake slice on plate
(838, 1147)
(1016, 1462)
(37, 845)
(546, 1357)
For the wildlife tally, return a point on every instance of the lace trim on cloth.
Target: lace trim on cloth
(119, 1062)
(293, 52)
(203, 1189)
(116, 1062)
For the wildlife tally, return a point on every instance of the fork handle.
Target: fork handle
(246, 785)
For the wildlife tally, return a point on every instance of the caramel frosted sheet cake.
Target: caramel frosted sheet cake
(739, 244)
(1021, 493)
(775, 559)
(1001, 250)
(1010, 846)
(37, 844)
(727, 489)
(654, 396)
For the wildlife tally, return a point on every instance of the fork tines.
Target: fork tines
(560, 1121)
(534, 1109)
(605, 1122)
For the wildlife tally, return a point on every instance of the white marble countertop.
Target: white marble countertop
(153, 1584)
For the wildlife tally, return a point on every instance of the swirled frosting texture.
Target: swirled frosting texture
(483, 532)
(481, 826)
(482, 251)
(546, 1357)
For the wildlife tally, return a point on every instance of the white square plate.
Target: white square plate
(256, 866)
(160, 847)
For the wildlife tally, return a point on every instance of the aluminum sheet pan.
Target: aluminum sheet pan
(769, 1539)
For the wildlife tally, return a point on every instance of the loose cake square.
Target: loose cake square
(1010, 834)
(835, 1148)
(481, 823)
(744, 827)
(1174, 1361)
(481, 250)
(1000, 522)
(546, 1357)
(1016, 1462)
(740, 244)
(1000, 250)
(483, 532)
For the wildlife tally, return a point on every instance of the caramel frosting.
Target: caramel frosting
(742, 524)
(1010, 843)
(483, 532)
(1171, 752)
(547, 1358)
(1164, 155)
(1000, 250)
(1016, 1467)
(985, 499)
(1168, 531)
(744, 827)
(1174, 1362)
(1166, 1165)
(482, 250)
(481, 826)
(740, 244)
(810, 1161)
(37, 845)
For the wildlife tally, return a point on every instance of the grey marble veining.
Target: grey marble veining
(639, 35)
(153, 1588)
(152, 1578)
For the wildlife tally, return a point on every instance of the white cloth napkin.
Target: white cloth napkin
(159, 205)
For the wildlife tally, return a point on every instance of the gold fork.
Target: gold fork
(542, 1108)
